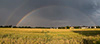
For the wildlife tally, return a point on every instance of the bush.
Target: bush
(98, 42)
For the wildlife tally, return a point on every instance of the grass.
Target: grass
(49, 36)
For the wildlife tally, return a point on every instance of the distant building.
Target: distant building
(53, 27)
(71, 27)
(84, 27)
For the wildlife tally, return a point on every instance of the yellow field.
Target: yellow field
(49, 36)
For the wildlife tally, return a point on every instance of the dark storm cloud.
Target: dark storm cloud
(88, 7)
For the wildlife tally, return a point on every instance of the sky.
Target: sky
(49, 12)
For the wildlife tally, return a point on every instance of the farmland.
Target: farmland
(49, 36)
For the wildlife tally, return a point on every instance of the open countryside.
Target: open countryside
(49, 36)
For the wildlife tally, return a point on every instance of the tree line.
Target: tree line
(66, 27)
(10, 26)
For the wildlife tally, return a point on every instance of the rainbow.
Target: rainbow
(47, 6)
(29, 14)
(11, 15)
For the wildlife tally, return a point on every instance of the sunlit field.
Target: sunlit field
(49, 36)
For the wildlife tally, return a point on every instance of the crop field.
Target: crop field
(49, 36)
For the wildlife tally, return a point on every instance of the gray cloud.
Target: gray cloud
(56, 16)
(88, 7)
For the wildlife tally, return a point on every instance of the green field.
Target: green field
(49, 36)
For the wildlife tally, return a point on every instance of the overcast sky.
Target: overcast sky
(50, 12)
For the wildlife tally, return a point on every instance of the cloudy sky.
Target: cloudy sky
(49, 12)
